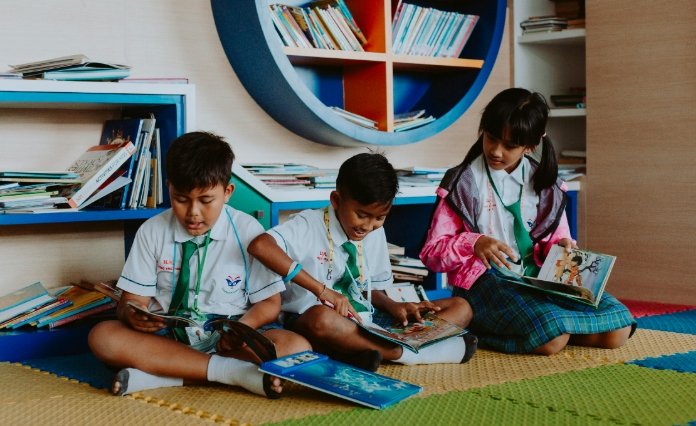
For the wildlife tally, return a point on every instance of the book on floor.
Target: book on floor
(321, 373)
(414, 335)
(22, 300)
(82, 300)
(579, 275)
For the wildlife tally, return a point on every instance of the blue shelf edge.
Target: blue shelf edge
(81, 216)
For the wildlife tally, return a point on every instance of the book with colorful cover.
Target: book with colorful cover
(414, 335)
(36, 313)
(580, 275)
(22, 300)
(170, 321)
(81, 299)
(321, 373)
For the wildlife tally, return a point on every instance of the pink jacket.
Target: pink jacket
(450, 245)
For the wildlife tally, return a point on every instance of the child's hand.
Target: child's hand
(567, 244)
(339, 303)
(405, 310)
(229, 344)
(139, 321)
(489, 250)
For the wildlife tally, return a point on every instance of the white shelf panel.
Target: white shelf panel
(567, 112)
(563, 37)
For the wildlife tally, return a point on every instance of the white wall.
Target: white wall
(158, 38)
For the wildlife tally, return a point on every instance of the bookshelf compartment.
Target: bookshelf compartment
(291, 86)
(172, 106)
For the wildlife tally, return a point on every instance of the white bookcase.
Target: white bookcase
(551, 63)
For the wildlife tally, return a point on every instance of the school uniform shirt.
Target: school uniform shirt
(304, 238)
(493, 218)
(154, 263)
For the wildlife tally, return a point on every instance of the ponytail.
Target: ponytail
(475, 151)
(547, 171)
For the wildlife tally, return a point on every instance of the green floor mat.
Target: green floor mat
(614, 394)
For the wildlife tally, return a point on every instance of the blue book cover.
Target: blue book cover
(321, 373)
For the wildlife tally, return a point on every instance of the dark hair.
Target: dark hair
(525, 114)
(577, 259)
(367, 178)
(199, 160)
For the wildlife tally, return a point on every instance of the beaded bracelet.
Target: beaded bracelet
(296, 270)
(322, 292)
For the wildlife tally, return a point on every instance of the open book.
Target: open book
(580, 275)
(170, 321)
(319, 372)
(414, 335)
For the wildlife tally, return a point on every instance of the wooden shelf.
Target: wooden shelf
(296, 85)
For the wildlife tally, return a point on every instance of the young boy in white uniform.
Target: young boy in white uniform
(191, 261)
(335, 264)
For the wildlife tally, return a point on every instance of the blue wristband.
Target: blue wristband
(292, 273)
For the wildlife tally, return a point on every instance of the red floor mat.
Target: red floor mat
(642, 309)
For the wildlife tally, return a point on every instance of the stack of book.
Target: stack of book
(424, 31)
(323, 24)
(355, 118)
(283, 175)
(407, 269)
(536, 24)
(21, 190)
(575, 97)
(35, 306)
(571, 164)
(420, 176)
(74, 67)
(411, 120)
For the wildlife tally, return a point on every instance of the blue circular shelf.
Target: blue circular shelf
(284, 90)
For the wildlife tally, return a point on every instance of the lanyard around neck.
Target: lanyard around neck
(359, 246)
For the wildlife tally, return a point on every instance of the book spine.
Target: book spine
(87, 188)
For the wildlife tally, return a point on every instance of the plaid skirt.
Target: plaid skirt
(512, 319)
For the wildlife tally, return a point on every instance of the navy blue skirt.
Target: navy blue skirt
(512, 319)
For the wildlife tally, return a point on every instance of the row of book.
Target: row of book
(70, 68)
(293, 176)
(405, 269)
(421, 176)
(36, 306)
(424, 31)
(323, 24)
(123, 171)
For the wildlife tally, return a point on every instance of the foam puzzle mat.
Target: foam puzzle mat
(651, 380)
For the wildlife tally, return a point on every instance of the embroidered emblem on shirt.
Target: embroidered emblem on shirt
(323, 257)
(232, 283)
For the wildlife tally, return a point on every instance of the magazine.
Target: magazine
(319, 372)
(580, 275)
(414, 335)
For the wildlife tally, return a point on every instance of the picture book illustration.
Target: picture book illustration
(414, 335)
(321, 373)
(578, 274)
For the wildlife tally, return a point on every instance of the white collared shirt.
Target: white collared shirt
(152, 264)
(303, 237)
(493, 219)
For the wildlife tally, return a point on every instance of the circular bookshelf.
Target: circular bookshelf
(297, 86)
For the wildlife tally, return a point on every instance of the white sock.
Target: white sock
(450, 351)
(235, 372)
(132, 380)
